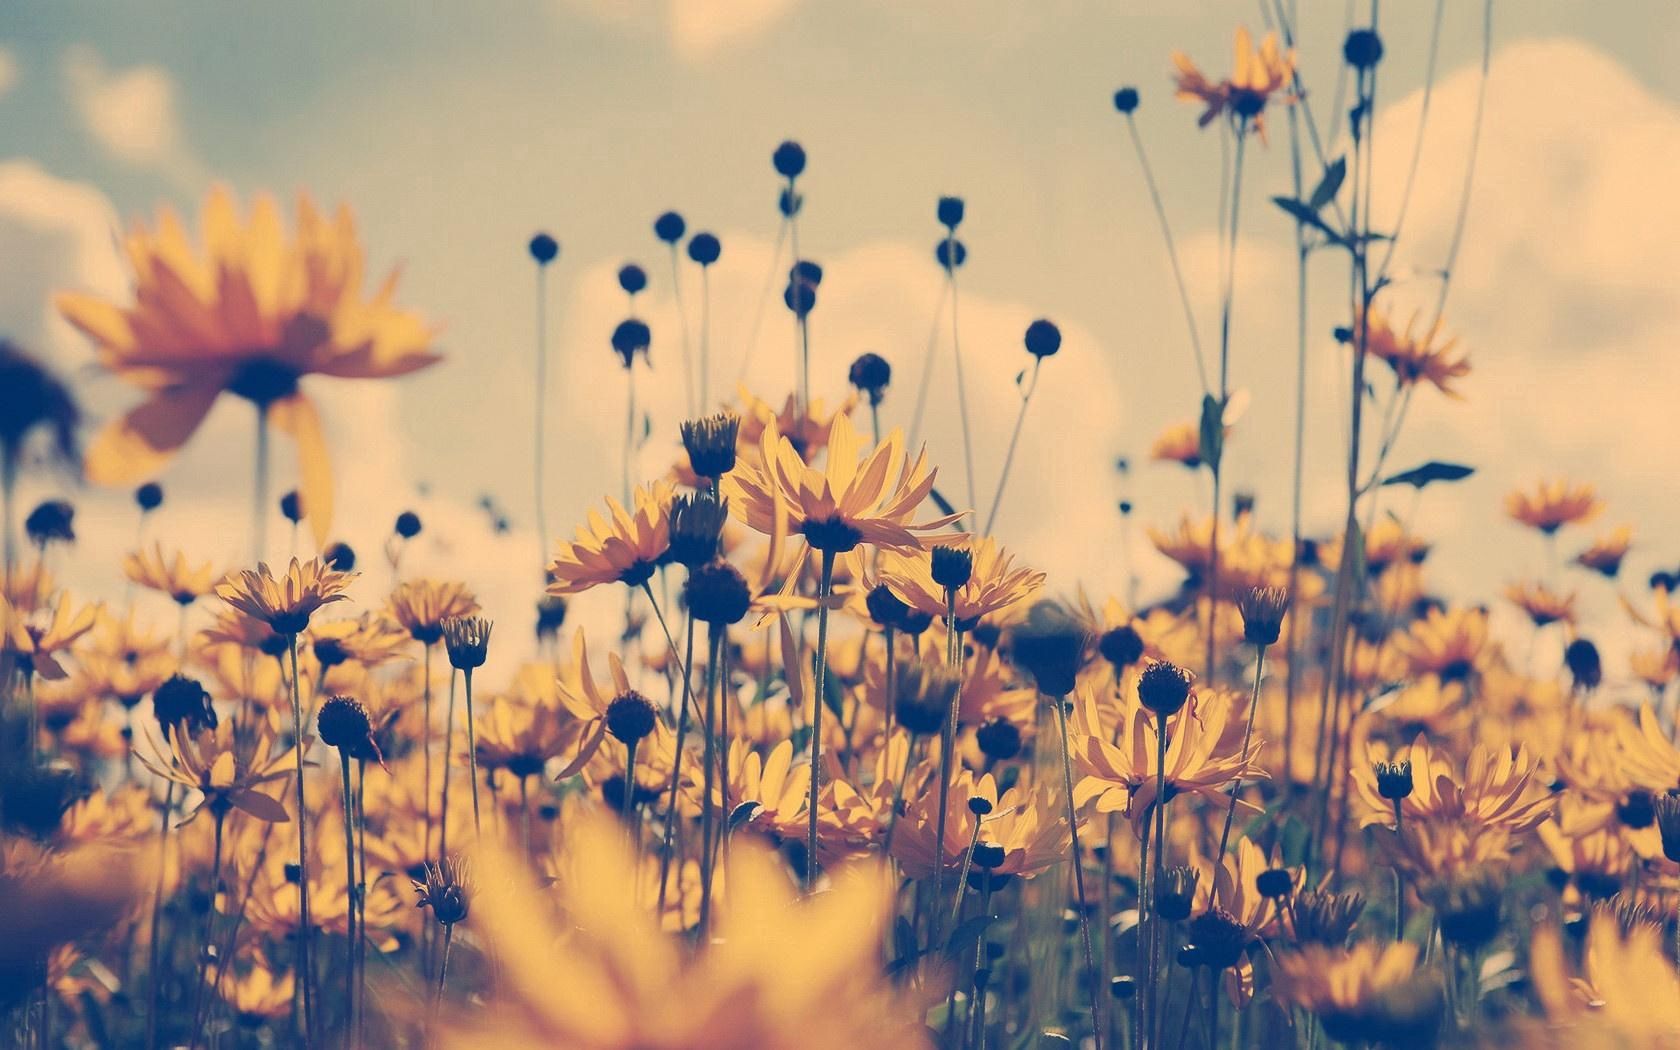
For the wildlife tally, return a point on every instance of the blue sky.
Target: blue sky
(456, 130)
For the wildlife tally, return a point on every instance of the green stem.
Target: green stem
(472, 755)
(355, 932)
(448, 744)
(305, 931)
(824, 587)
(1079, 876)
(709, 776)
(947, 746)
(1236, 788)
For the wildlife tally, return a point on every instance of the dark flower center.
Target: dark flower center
(263, 381)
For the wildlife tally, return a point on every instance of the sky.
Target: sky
(456, 131)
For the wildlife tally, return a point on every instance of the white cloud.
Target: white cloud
(60, 234)
(695, 29)
(131, 112)
(8, 71)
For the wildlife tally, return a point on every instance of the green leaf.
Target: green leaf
(904, 939)
(1429, 473)
(1212, 434)
(960, 944)
(744, 814)
(1329, 185)
(1355, 555)
(1304, 214)
(1292, 841)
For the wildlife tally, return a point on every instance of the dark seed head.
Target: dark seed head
(1363, 48)
(1394, 780)
(704, 248)
(716, 593)
(408, 525)
(631, 717)
(951, 566)
(149, 496)
(631, 337)
(291, 507)
(950, 212)
(789, 159)
(544, 249)
(669, 227)
(632, 278)
(343, 723)
(1121, 646)
(1043, 339)
(1126, 100)
(999, 739)
(870, 373)
(1163, 687)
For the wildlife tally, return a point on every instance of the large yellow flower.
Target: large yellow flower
(857, 497)
(626, 550)
(1371, 992)
(1496, 789)
(287, 603)
(250, 314)
(422, 605)
(1029, 825)
(1627, 993)
(995, 582)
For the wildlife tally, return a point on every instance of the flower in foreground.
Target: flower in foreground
(250, 314)
(286, 603)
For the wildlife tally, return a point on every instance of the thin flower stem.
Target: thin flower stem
(153, 964)
(448, 745)
(1291, 640)
(259, 489)
(676, 766)
(947, 747)
(1399, 885)
(682, 327)
(629, 428)
(1009, 456)
(825, 585)
(361, 899)
(962, 877)
(708, 774)
(927, 365)
(1236, 788)
(305, 931)
(1078, 859)
(1156, 1006)
(443, 972)
(1172, 250)
(629, 810)
(472, 754)
(540, 426)
(962, 390)
(426, 746)
(209, 925)
(355, 931)
(804, 347)
(705, 336)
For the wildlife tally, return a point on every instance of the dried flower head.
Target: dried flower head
(467, 638)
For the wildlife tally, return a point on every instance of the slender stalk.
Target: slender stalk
(220, 811)
(927, 366)
(259, 491)
(1155, 1007)
(629, 809)
(1236, 788)
(629, 429)
(825, 586)
(708, 775)
(962, 876)
(443, 971)
(1172, 250)
(948, 740)
(541, 430)
(361, 899)
(705, 335)
(472, 754)
(1400, 886)
(426, 744)
(682, 326)
(448, 744)
(1291, 640)
(154, 967)
(1078, 858)
(305, 930)
(666, 848)
(962, 391)
(8, 511)
(1009, 456)
(355, 931)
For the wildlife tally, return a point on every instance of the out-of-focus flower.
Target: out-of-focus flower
(174, 576)
(1626, 994)
(1258, 75)
(1029, 827)
(1605, 554)
(1550, 505)
(226, 765)
(1543, 605)
(1416, 356)
(1370, 993)
(251, 315)
(421, 606)
(32, 643)
(1496, 788)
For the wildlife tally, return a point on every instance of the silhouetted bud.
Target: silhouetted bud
(704, 249)
(1043, 339)
(1126, 100)
(669, 227)
(789, 159)
(870, 373)
(1163, 687)
(544, 249)
(408, 525)
(149, 496)
(632, 278)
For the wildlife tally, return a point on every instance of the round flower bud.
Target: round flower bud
(1394, 780)
(1126, 100)
(343, 723)
(632, 336)
(950, 212)
(1274, 883)
(885, 607)
(341, 557)
(1163, 688)
(183, 700)
(717, 593)
(408, 525)
(1262, 611)
(704, 248)
(914, 622)
(979, 805)
(52, 521)
(696, 527)
(789, 159)
(149, 496)
(988, 855)
(1363, 48)
(950, 253)
(1043, 339)
(1121, 646)
(632, 278)
(551, 614)
(291, 507)
(870, 373)
(1049, 646)
(951, 566)
(710, 443)
(1123, 987)
(1637, 810)
(999, 739)
(1220, 937)
(544, 249)
(1666, 813)
(669, 227)
(467, 639)
(1176, 893)
(631, 717)
(1581, 657)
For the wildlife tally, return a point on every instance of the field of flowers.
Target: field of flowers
(847, 772)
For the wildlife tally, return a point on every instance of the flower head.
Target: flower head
(625, 550)
(287, 603)
(1552, 504)
(421, 606)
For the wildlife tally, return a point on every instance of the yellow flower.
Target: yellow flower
(1257, 74)
(1371, 992)
(1552, 505)
(994, 584)
(1029, 825)
(856, 498)
(287, 603)
(780, 789)
(176, 577)
(1180, 443)
(1444, 643)
(226, 765)
(251, 315)
(422, 605)
(1605, 554)
(807, 429)
(1496, 789)
(257, 995)
(33, 641)
(519, 736)
(1543, 605)
(779, 973)
(1416, 356)
(625, 550)
(1627, 994)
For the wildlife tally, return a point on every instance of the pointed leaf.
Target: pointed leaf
(260, 806)
(1429, 473)
(1329, 185)
(1212, 430)
(744, 814)
(1305, 215)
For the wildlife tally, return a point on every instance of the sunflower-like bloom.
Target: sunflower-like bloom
(1627, 993)
(287, 603)
(1444, 643)
(625, 550)
(1550, 505)
(1428, 851)
(1202, 758)
(777, 788)
(257, 995)
(995, 584)
(1425, 705)
(180, 579)
(1372, 992)
(1594, 857)
(1605, 554)
(251, 315)
(1029, 825)
(226, 765)
(780, 974)
(421, 606)
(1234, 888)
(587, 701)
(1257, 75)
(1416, 356)
(856, 498)
(807, 426)
(1497, 788)
(1180, 443)
(365, 641)
(1644, 753)
(519, 737)
(1387, 543)
(1543, 605)
(33, 642)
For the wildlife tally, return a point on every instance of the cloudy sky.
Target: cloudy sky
(455, 131)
